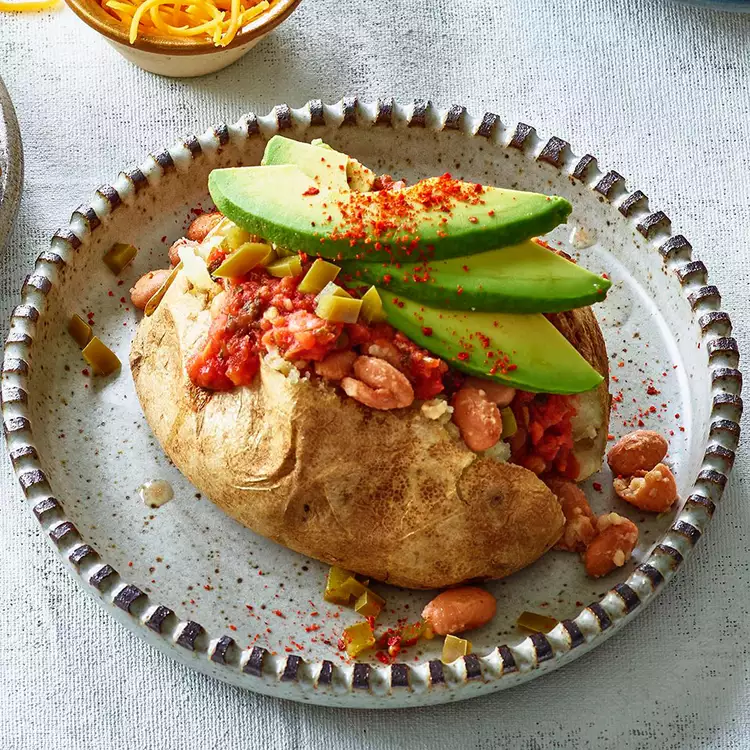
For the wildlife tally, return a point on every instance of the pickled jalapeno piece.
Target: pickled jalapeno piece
(536, 623)
(102, 359)
(321, 273)
(372, 306)
(453, 648)
(291, 266)
(337, 309)
(244, 259)
(358, 638)
(80, 330)
(119, 256)
(336, 579)
(510, 427)
(369, 604)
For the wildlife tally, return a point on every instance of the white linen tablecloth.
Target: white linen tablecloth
(654, 89)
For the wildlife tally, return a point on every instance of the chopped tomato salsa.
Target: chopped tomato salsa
(264, 314)
(544, 440)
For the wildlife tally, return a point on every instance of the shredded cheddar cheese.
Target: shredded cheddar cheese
(27, 5)
(217, 20)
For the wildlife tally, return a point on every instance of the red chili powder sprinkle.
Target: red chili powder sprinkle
(387, 278)
(491, 212)
(85, 372)
(652, 391)
(111, 293)
(473, 219)
(466, 268)
(621, 364)
(396, 214)
(427, 331)
(459, 289)
(597, 486)
(233, 627)
(280, 614)
(463, 356)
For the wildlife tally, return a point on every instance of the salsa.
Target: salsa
(543, 442)
(261, 314)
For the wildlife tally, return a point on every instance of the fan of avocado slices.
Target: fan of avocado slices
(454, 263)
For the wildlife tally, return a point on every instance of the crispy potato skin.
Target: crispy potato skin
(390, 495)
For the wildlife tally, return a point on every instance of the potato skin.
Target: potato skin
(583, 332)
(390, 495)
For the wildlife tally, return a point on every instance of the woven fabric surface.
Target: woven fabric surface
(658, 91)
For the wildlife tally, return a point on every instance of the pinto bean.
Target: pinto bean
(174, 251)
(580, 521)
(498, 393)
(639, 451)
(147, 286)
(613, 545)
(477, 419)
(201, 226)
(378, 384)
(336, 365)
(654, 490)
(457, 610)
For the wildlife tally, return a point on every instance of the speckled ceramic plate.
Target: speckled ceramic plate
(11, 164)
(215, 596)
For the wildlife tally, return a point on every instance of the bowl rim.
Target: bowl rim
(11, 164)
(363, 684)
(94, 15)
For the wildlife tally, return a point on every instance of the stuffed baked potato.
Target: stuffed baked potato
(419, 463)
(392, 495)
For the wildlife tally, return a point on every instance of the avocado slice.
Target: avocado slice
(334, 170)
(361, 178)
(326, 166)
(436, 218)
(539, 357)
(523, 278)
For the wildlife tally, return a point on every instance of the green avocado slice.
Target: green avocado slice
(522, 278)
(539, 357)
(286, 206)
(324, 165)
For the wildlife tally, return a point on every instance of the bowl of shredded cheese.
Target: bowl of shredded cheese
(183, 38)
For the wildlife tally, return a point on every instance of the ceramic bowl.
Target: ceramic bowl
(180, 58)
(213, 595)
(11, 164)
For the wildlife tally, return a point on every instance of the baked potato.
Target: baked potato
(392, 495)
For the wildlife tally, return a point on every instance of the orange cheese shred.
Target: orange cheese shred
(27, 5)
(217, 20)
